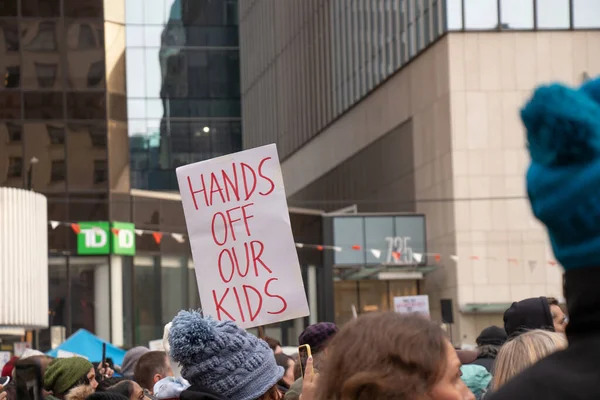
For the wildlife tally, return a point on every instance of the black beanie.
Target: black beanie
(492, 335)
(106, 396)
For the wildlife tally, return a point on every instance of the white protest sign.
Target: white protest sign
(412, 304)
(4, 358)
(20, 348)
(239, 228)
(156, 345)
(68, 354)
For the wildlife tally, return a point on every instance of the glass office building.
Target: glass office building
(183, 93)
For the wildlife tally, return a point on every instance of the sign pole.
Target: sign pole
(261, 332)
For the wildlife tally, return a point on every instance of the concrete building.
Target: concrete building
(413, 106)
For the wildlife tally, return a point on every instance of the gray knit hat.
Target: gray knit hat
(131, 359)
(222, 357)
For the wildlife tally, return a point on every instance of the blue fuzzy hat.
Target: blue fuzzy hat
(563, 180)
(222, 357)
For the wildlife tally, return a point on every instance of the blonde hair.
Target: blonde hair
(524, 351)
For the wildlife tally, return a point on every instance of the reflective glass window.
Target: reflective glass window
(10, 105)
(553, 14)
(454, 15)
(90, 105)
(516, 14)
(83, 8)
(481, 14)
(585, 14)
(9, 8)
(40, 8)
(43, 105)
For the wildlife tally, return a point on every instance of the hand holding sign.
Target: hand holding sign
(238, 223)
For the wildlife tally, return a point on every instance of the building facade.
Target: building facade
(99, 99)
(183, 86)
(412, 106)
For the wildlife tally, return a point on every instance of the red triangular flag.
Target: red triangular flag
(115, 231)
(157, 237)
(438, 258)
(356, 247)
(76, 228)
(319, 247)
(396, 255)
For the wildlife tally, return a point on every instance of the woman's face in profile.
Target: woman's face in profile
(451, 386)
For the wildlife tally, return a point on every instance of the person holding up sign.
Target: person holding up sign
(244, 254)
(225, 360)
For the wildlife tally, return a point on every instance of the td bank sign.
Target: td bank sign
(98, 238)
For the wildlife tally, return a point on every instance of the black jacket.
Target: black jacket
(528, 314)
(196, 392)
(486, 362)
(575, 372)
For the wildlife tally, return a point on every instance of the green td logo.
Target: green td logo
(123, 238)
(99, 238)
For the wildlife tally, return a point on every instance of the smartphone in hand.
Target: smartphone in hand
(303, 355)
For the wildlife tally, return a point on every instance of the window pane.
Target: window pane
(152, 35)
(481, 14)
(553, 14)
(585, 13)
(172, 281)
(154, 12)
(134, 35)
(9, 8)
(87, 156)
(11, 141)
(44, 105)
(133, 11)
(42, 61)
(83, 8)
(373, 296)
(454, 14)
(136, 108)
(10, 105)
(10, 36)
(346, 295)
(376, 232)
(516, 14)
(40, 8)
(348, 232)
(86, 105)
(136, 73)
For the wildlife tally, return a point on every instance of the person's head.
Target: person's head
(64, 374)
(490, 340)
(287, 363)
(558, 316)
(390, 355)
(131, 359)
(528, 314)
(151, 368)
(318, 336)
(210, 351)
(274, 344)
(107, 383)
(170, 388)
(106, 396)
(523, 351)
(129, 389)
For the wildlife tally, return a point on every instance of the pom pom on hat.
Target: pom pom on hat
(563, 180)
(563, 125)
(222, 357)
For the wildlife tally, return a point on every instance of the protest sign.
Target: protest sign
(20, 348)
(244, 254)
(412, 304)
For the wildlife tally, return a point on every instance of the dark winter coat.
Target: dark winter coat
(487, 363)
(196, 392)
(572, 373)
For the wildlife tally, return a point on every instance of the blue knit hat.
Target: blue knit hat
(222, 357)
(563, 180)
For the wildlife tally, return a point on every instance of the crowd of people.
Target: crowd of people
(538, 354)
(375, 356)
